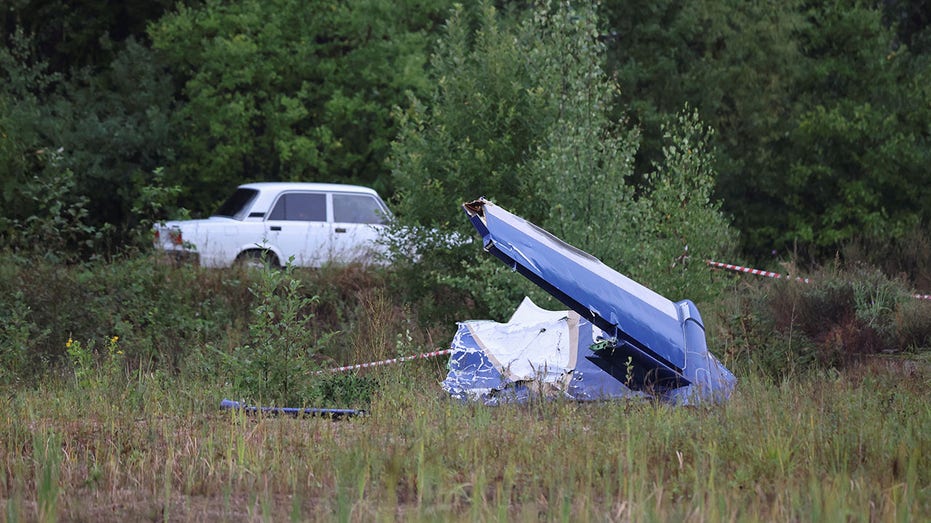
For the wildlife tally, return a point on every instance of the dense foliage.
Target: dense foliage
(521, 114)
(820, 109)
(290, 90)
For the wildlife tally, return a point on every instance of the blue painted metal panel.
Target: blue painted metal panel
(469, 368)
(290, 411)
(661, 342)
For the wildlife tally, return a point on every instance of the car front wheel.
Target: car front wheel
(257, 259)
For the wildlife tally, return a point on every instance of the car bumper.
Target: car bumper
(179, 257)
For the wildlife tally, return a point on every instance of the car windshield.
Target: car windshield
(236, 205)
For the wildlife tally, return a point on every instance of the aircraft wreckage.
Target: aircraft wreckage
(618, 339)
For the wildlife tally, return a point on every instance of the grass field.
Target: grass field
(848, 445)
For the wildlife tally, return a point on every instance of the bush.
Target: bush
(263, 333)
(907, 257)
(18, 334)
(276, 363)
(844, 315)
(913, 325)
(159, 312)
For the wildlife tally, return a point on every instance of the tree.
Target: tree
(855, 161)
(820, 110)
(685, 225)
(290, 90)
(90, 137)
(911, 20)
(69, 35)
(42, 213)
(736, 62)
(521, 114)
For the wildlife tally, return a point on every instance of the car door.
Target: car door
(357, 222)
(297, 227)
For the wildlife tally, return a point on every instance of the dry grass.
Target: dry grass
(798, 445)
(849, 445)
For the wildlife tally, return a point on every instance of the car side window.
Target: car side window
(300, 206)
(357, 208)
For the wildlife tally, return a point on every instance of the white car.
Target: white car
(271, 223)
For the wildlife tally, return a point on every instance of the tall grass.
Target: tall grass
(843, 316)
(141, 436)
(823, 445)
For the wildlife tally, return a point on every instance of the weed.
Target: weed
(913, 325)
(277, 362)
(810, 432)
(17, 334)
(48, 462)
(374, 338)
(349, 389)
(113, 360)
(94, 371)
(82, 361)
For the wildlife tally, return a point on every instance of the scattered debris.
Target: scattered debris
(620, 339)
(291, 411)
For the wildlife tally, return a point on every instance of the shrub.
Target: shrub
(844, 315)
(262, 332)
(159, 312)
(56, 227)
(276, 363)
(18, 334)
(907, 257)
(682, 223)
(913, 325)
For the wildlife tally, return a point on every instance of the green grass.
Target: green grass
(849, 445)
(111, 377)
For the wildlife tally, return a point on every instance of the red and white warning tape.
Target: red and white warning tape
(718, 265)
(388, 362)
(768, 274)
(757, 272)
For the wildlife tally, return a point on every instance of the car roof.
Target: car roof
(307, 186)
